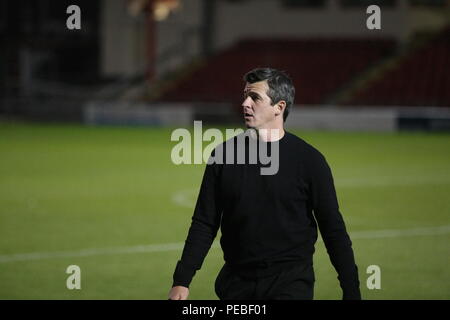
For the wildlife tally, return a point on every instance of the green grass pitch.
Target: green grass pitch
(66, 188)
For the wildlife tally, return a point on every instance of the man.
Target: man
(268, 222)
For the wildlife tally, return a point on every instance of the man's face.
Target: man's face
(256, 107)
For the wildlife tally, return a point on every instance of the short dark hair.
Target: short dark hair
(280, 86)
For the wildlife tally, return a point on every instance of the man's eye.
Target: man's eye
(254, 97)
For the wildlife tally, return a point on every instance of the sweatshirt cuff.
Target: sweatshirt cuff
(183, 275)
(353, 294)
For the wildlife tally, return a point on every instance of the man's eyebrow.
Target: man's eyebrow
(248, 92)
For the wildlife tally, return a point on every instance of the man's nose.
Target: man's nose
(246, 102)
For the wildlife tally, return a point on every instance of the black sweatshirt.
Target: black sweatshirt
(269, 218)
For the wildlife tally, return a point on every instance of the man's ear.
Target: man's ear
(280, 106)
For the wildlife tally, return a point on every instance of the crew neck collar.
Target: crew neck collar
(256, 135)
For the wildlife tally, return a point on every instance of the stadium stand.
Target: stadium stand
(319, 67)
(420, 77)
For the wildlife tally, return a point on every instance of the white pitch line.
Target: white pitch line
(93, 252)
(386, 181)
(397, 233)
(392, 233)
(187, 197)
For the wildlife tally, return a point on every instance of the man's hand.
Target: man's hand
(179, 293)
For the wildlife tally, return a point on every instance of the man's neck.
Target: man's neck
(271, 134)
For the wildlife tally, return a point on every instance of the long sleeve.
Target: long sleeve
(203, 229)
(332, 226)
